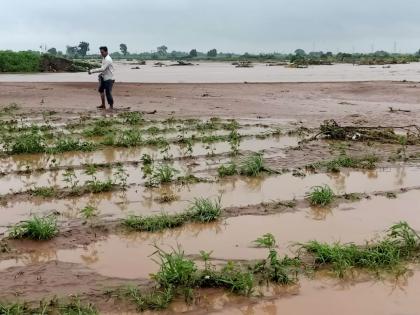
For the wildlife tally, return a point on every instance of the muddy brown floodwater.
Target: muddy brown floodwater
(236, 191)
(127, 255)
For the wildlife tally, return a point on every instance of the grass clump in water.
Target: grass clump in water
(202, 210)
(36, 228)
(71, 144)
(178, 272)
(71, 307)
(364, 162)
(205, 210)
(227, 170)
(89, 212)
(45, 192)
(152, 300)
(400, 244)
(29, 142)
(129, 138)
(278, 270)
(321, 195)
(252, 165)
(162, 174)
(154, 223)
(267, 241)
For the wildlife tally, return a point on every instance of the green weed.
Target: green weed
(70, 144)
(132, 118)
(267, 241)
(400, 244)
(45, 192)
(30, 142)
(152, 300)
(36, 228)
(201, 210)
(73, 306)
(175, 270)
(161, 175)
(279, 270)
(252, 165)
(321, 195)
(154, 223)
(227, 170)
(205, 210)
(364, 162)
(89, 212)
(128, 138)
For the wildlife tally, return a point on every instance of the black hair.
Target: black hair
(104, 48)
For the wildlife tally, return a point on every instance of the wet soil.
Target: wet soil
(310, 102)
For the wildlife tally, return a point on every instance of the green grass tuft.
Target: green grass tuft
(400, 244)
(45, 192)
(227, 170)
(252, 165)
(205, 210)
(267, 241)
(202, 210)
(321, 195)
(36, 228)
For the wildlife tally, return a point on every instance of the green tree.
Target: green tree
(83, 48)
(300, 53)
(212, 53)
(162, 50)
(52, 51)
(71, 51)
(123, 48)
(193, 53)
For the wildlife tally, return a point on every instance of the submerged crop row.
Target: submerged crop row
(180, 276)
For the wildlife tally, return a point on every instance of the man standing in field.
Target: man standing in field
(106, 78)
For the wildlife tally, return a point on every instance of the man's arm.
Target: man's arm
(104, 66)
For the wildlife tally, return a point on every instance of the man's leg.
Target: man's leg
(101, 90)
(108, 91)
(102, 100)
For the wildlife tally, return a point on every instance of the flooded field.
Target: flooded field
(132, 212)
(218, 72)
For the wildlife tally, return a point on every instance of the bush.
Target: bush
(22, 61)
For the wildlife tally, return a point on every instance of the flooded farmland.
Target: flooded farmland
(133, 211)
(223, 72)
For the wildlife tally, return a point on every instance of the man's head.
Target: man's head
(104, 51)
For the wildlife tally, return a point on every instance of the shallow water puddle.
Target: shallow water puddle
(126, 255)
(21, 182)
(238, 191)
(328, 296)
(112, 155)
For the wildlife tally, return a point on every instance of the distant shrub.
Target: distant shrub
(22, 61)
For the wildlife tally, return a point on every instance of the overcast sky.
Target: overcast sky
(228, 25)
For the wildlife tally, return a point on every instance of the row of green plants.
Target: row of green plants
(92, 185)
(180, 276)
(69, 306)
(37, 141)
(202, 210)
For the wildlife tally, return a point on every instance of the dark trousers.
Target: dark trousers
(106, 86)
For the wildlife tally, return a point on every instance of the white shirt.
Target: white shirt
(107, 69)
